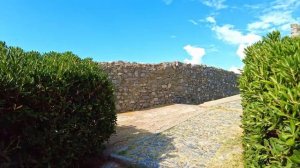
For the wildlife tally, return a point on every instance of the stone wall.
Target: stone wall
(295, 30)
(139, 86)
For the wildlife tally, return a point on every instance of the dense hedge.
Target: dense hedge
(55, 108)
(270, 90)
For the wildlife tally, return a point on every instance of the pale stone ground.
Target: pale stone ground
(206, 135)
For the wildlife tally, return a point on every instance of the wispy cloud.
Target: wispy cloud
(254, 6)
(230, 35)
(275, 15)
(193, 22)
(285, 5)
(217, 4)
(279, 15)
(168, 2)
(211, 19)
(195, 52)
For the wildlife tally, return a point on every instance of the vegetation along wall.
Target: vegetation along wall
(270, 90)
(56, 109)
(139, 86)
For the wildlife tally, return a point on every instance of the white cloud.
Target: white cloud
(235, 69)
(277, 16)
(168, 2)
(240, 50)
(195, 52)
(272, 20)
(193, 22)
(258, 25)
(285, 5)
(211, 19)
(217, 4)
(230, 35)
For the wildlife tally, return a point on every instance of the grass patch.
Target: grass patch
(229, 155)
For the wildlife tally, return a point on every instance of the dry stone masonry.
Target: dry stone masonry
(139, 86)
(295, 30)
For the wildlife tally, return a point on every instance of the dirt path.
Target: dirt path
(206, 135)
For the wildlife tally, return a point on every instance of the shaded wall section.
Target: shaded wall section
(139, 86)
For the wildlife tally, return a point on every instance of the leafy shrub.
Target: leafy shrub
(270, 90)
(54, 108)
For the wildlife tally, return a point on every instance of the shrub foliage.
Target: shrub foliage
(270, 90)
(55, 108)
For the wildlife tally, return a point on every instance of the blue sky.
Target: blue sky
(211, 32)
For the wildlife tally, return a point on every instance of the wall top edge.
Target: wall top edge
(163, 64)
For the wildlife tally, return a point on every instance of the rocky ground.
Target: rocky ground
(207, 135)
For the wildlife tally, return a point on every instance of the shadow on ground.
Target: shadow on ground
(119, 149)
(176, 136)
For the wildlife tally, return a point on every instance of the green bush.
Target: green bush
(55, 108)
(270, 90)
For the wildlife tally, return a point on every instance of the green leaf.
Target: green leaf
(296, 156)
(290, 142)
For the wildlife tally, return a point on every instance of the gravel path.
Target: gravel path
(209, 139)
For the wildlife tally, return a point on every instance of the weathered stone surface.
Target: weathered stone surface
(295, 30)
(156, 84)
(180, 135)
